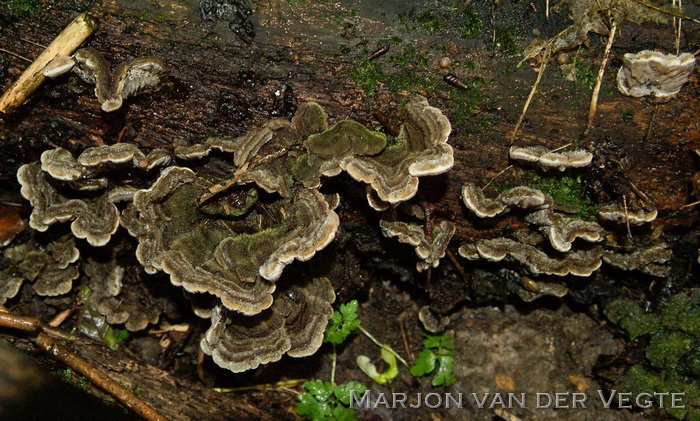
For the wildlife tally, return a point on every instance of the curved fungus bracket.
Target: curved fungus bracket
(577, 263)
(651, 73)
(94, 218)
(521, 197)
(293, 325)
(650, 260)
(545, 159)
(429, 248)
(133, 77)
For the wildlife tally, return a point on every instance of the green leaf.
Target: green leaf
(342, 323)
(438, 341)
(445, 375)
(341, 413)
(424, 363)
(370, 369)
(319, 389)
(342, 392)
(311, 408)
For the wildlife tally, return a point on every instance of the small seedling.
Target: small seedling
(438, 350)
(371, 370)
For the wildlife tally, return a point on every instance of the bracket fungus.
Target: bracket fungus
(545, 159)
(294, 325)
(236, 263)
(132, 77)
(618, 214)
(483, 207)
(430, 247)
(52, 268)
(652, 73)
(227, 244)
(577, 263)
(649, 260)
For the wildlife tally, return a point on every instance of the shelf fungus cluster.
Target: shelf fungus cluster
(529, 248)
(227, 244)
(130, 78)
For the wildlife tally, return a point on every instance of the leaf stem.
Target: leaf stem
(381, 345)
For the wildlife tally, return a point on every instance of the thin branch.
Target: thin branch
(545, 59)
(599, 80)
(668, 12)
(15, 54)
(381, 345)
(80, 365)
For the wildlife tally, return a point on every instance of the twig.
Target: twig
(334, 361)
(652, 121)
(691, 204)
(496, 176)
(405, 340)
(64, 44)
(79, 364)
(545, 59)
(278, 385)
(599, 80)
(668, 12)
(32, 42)
(14, 54)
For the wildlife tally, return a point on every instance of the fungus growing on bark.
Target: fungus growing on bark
(483, 207)
(617, 214)
(94, 218)
(562, 230)
(577, 263)
(119, 298)
(237, 261)
(648, 260)
(651, 73)
(430, 248)
(293, 325)
(561, 160)
(432, 322)
(52, 268)
(132, 77)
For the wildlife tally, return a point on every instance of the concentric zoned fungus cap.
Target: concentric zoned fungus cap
(118, 297)
(578, 263)
(140, 75)
(94, 217)
(541, 288)
(654, 73)
(294, 325)
(420, 149)
(563, 230)
(483, 207)
(648, 260)
(617, 214)
(52, 268)
(429, 250)
(235, 259)
(432, 322)
(545, 159)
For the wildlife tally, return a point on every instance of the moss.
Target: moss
(672, 351)
(69, 377)
(407, 73)
(428, 21)
(565, 189)
(505, 39)
(23, 5)
(471, 23)
(465, 101)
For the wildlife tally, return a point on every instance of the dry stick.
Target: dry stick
(14, 54)
(545, 59)
(668, 12)
(599, 80)
(64, 44)
(650, 127)
(79, 364)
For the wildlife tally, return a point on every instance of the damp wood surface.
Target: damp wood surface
(221, 86)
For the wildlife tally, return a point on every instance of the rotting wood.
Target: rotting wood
(64, 44)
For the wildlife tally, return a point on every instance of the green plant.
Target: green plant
(565, 189)
(342, 323)
(438, 351)
(326, 401)
(471, 22)
(371, 370)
